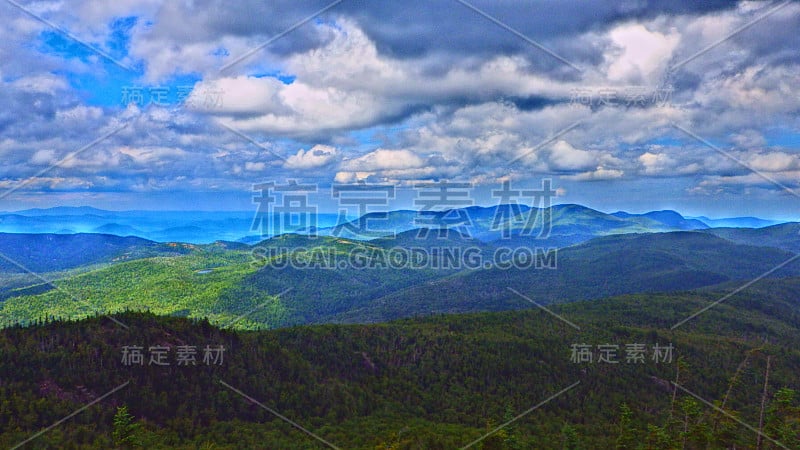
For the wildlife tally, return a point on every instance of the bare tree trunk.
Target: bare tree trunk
(763, 405)
(735, 377)
(674, 391)
(685, 429)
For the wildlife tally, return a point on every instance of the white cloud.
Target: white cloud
(384, 159)
(317, 156)
(598, 174)
(773, 162)
(40, 83)
(254, 166)
(54, 183)
(44, 157)
(639, 55)
(152, 155)
(655, 163)
(790, 179)
(564, 156)
(749, 139)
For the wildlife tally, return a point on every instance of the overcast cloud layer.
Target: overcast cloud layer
(402, 92)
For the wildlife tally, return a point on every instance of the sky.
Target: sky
(188, 104)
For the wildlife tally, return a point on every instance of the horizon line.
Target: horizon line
(254, 211)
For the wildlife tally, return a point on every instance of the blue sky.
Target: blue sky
(379, 93)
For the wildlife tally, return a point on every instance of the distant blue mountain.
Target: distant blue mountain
(196, 227)
(737, 222)
(569, 224)
(667, 217)
(65, 211)
(118, 230)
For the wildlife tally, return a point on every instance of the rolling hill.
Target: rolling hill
(785, 235)
(327, 279)
(612, 265)
(54, 252)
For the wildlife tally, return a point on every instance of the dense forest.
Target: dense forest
(507, 380)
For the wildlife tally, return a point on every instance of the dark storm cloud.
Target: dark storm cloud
(414, 29)
(198, 21)
(418, 27)
(21, 111)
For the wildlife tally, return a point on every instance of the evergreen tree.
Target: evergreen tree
(125, 429)
(626, 439)
(569, 438)
(511, 439)
(783, 419)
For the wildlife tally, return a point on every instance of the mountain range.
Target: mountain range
(570, 223)
(327, 277)
(196, 227)
(413, 338)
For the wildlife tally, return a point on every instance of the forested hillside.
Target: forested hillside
(295, 279)
(439, 382)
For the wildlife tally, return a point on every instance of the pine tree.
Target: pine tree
(496, 441)
(125, 429)
(695, 431)
(569, 438)
(511, 440)
(627, 433)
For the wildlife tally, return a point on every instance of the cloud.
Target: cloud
(254, 166)
(400, 92)
(564, 156)
(599, 174)
(637, 55)
(384, 159)
(749, 139)
(790, 179)
(152, 155)
(317, 156)
(44, 157)
(51, 183)
(773, 162)
(656, 163)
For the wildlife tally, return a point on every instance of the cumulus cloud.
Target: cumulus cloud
(254, 166)
(599, 174)
(317, 156)
(384, 159)
(656, 163)
(639, 56)
(773, 162)
(44, 157)
(749, 139)
(564, 156)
